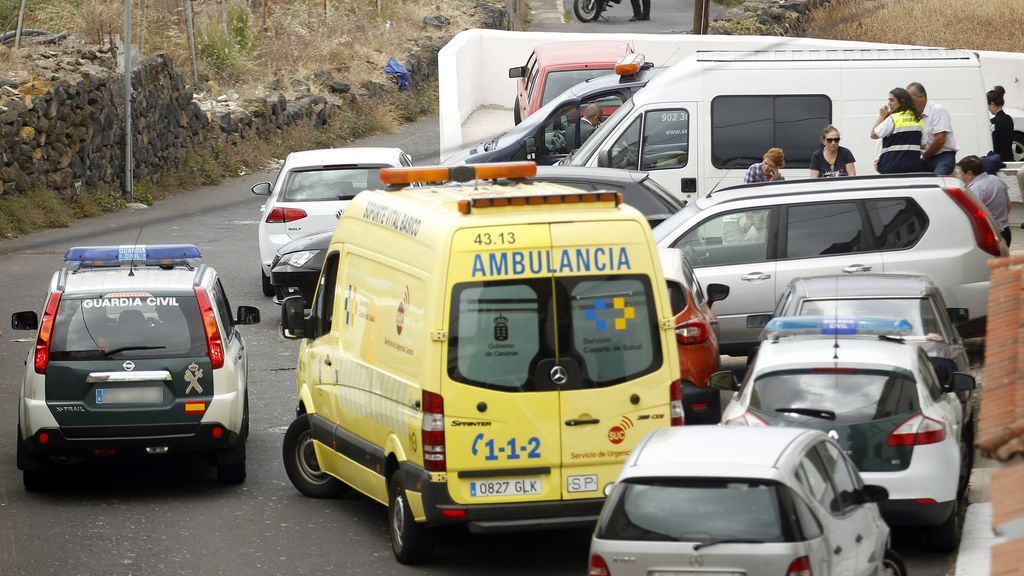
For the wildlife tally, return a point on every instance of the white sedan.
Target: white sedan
(312, 190)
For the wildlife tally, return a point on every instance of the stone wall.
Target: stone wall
(65, 128)
(766, 17)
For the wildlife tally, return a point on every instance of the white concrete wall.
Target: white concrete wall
(473, 66)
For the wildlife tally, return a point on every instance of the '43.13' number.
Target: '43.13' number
(499, 239)
(511, 449)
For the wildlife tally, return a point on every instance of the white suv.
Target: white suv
(755, 238)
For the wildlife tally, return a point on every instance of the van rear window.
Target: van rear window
(500, 332)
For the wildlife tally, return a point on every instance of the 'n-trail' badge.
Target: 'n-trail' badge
(192, 376)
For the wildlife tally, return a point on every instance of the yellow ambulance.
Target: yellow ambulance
(481, 350)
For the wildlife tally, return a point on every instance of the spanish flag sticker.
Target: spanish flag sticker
(195, 407)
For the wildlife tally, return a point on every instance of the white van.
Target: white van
(700, 124)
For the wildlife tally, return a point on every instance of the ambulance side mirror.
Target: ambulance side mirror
(294, 322)
(25, 321)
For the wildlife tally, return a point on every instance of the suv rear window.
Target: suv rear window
(128, 325)
(330, 183)
(854, 396)
(501, 330)
(702, 510)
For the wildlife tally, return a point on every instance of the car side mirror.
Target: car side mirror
(872, 493)
(724, 380)
(531, 148)
(604, 158)
(247, 315)
(294, 322)
(960, 382)
(261, 189)
(957, 316)
(517, 72)
(716, 293)
(25, 321)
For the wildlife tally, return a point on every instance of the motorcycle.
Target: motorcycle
(590, 10)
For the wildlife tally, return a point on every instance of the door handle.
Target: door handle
(856, 268)
(581, 421)
(327, 361)
(755, 277)
(838, 550)
(859, 539)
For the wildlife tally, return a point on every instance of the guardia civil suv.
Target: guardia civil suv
(136, 354)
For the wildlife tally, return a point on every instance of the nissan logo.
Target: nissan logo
(128, 366)
(559, 375)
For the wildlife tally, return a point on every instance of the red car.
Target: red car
(554, 68)
(696, 335)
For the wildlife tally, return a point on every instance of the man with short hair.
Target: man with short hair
(591, 118)
(990, 190)
(938, 154)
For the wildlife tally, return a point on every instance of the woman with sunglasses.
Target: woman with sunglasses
(832, 160)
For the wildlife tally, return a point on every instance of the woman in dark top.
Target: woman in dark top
(1002, 125)
(832, 160)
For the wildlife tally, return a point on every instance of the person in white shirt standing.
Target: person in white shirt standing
(938, 154)
(990, 190)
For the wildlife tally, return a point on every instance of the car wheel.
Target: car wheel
(945, 537)
(35, 470)
(516, 114)
(892, 564)
(966, 458)
(233, 471)
(1018, 146)
(412, 543)
(268, 288)
(301, 465)
(244, 432)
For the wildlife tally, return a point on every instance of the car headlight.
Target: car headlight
(297, 259)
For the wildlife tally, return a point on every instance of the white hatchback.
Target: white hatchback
(312, 190)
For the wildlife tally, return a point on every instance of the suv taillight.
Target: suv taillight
(598, 567)
(46, 333)
(282, 215)
(692, 332)
(985, 235)
(213, 341)
(917, 431)
(675, 403)
(800, 567)
(433, 433)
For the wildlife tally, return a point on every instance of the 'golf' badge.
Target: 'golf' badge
(192, 376)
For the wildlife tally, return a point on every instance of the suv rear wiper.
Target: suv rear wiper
(127, 348)
(714, 541)
(813, 412)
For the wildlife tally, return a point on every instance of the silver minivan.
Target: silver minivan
(765, 501)
(755, 238)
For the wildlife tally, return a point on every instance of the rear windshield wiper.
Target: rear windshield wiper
(714, 541)
(813, 412)
(127, 348)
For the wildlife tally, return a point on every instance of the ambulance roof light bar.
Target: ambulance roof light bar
(630, 64)
(836, 326)
(164, 255)
(462, 173)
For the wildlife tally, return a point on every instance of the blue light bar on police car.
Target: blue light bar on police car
(140, 254)
(837, 326)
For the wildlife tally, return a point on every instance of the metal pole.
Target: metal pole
(128, 100)
(21, 22)
(191, 42)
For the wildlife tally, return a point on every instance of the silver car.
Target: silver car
(763, 501)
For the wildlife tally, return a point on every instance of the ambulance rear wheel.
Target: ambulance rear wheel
(302, 466)
(412, 543)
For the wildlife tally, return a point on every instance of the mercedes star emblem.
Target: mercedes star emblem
(128, 365)
(559, 375)
(696, 561)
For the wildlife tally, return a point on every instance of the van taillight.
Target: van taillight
(985, 235)
(692, 332)
(598, 567)
(916, 431)
(46, 333)
(282, 215)
(800, 567)
(433, 433)
(213, 341)
(675, 403)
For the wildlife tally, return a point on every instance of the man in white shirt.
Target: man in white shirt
(990, 190)
(938, 154)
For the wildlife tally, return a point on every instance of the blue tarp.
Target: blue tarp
(399, 73)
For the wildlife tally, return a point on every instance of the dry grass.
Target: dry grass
(975, 25)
